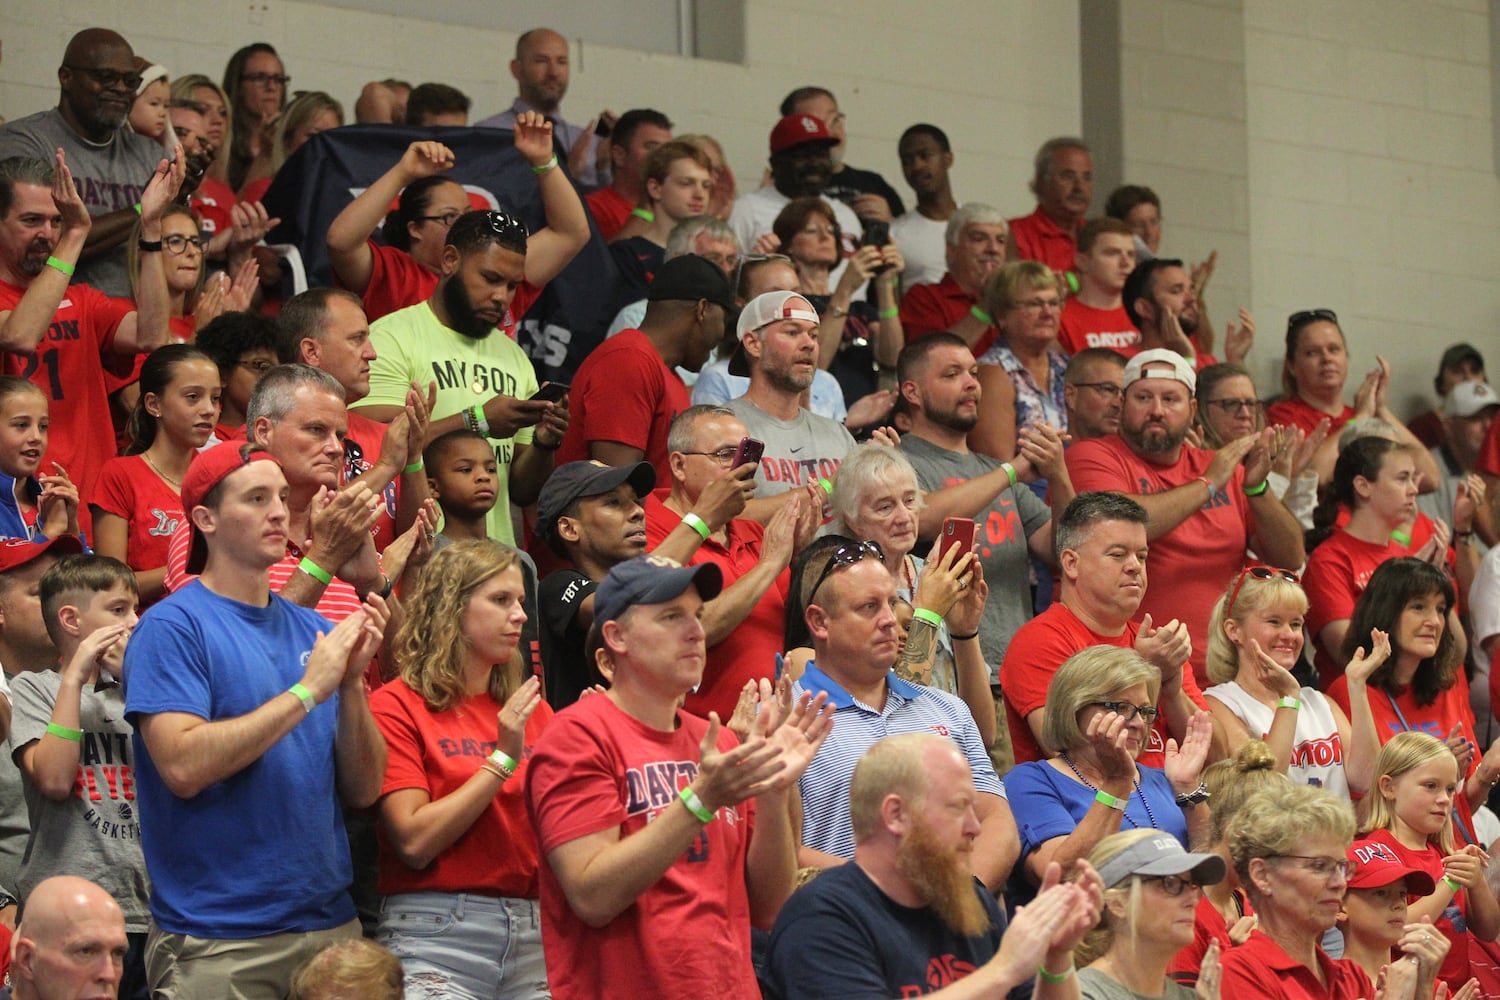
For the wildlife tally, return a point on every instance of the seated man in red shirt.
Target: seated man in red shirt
(1101, 547)
(1064, 186)
(1096, 316)
(976, 249)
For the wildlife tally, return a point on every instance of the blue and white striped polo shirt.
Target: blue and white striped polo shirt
(909, 708)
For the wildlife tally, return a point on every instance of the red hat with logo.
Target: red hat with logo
(799, 130)
(1376, 864)
(17, 552)
(208, 470)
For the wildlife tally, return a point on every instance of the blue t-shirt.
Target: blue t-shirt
(264, 851)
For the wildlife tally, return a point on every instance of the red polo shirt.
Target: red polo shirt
(934, 308)
(1036, 237)
(1259, 968)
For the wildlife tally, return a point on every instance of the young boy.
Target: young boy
(73, 746)
(462, 478)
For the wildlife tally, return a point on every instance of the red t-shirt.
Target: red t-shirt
(74, 352)
(1488, 460)
(1259, 968)
(1293, 412)
(1193, 564)
(365, 435)
(212, 202)
(398, 281)
(437, 752)
(1084, 326)
(935, 308)
(1036, 651)
(688, 934)
(749, 651)
(127, 488)
(624, 392)
(610, 209)
(1208, 926)
(1337, 572)
(1036, 237)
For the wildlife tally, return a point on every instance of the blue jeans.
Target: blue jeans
(456, 945)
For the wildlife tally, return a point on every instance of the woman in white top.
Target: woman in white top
(1255, 639)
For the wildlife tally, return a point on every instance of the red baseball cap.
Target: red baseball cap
(799, 130)
(207, 471)
(1376, 864)
(17, 552)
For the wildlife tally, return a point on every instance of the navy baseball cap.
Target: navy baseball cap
(576, 480)
(652, 580)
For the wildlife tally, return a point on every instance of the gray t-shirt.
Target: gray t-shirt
(1095, 985)
(96, 832)
(15, 827)
(110, 177)
(799, 451)
(1000, 538)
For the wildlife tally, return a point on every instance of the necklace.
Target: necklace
(907, 576)
(175, 482)
(1140, 795)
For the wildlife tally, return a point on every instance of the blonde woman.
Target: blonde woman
(458, 856)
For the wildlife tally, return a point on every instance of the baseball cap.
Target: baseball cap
(652, 580)
(576, 480)
(207, 471)
(1376, 864)
(1468, 398)
(1458, 354)
(767, 308)
(1177, 368)
(799, 130)
(689, 278)
(17, 552)
(1161, 855)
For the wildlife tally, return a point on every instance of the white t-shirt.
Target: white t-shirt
(1317, 751)
(924, 247)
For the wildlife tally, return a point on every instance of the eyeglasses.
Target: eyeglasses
(258, 367)
(1236, 405)
(1260, 573)
(846, 555)
(265, 79)
(447, 218)
(723, 261)
(1174, 885)
(1306, 316)
(1106, 389)
(723, 456)
(1321, 867)
(1126, 710)
(179, 244)
(109, 79)
(1038, 305)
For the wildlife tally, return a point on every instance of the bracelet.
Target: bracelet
(930, 617)
(413, 468)
(545, 166)
(71, 735)
(1053, 977)
(303, 695)
(1462, 536)
(963, 638)
(480, 423)
(148, 246)
(58, 264)
(1397, 535)
(827, 485)
(1114, 802)
(1255, 491)
(1197, 796)
(1292, 703)
(1452, 883)
(487, 766)
(982, 316)
(1212, 489)
(645, 215)
(697, 524)
(695, 805)
(387, 587)
(315, 571)
(535, 443)
(504, 761)
(890, 313)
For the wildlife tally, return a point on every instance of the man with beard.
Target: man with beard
(926, 157)
(110, 162)
(907, 917)
(851, 614)
(865, 191)
(801, 167)
(779, 343)
(484, 382)
(937, 377)
(1206, 507)
(1064, 186)
(1160, 301)
(1096, 317)
(1093, 386)
(976, 249)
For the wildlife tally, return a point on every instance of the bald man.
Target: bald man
(71, 942)
(110, 162)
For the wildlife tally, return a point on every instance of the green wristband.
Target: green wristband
(303, 695)
(1114, 802)
(63, 732)
(315, 571)
(1452, 883)
(982, 316)
(1053, 977)
(695, 805)
(697, 524)
(137, 207)
(930, 617)
(1397, 535)
(413, 468)
(60, 265)
(1010, 472)
(890, 313)
(644, 214)
(827, 485)
(545, 166)
(502, 760)
(1293, 703)
(1255, 491)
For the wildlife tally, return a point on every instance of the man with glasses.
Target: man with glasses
(976, 237)
(1101, 551)
(851, 614)
(1064, 186)
(110, 162)
(745, 625)
(1096, 317)
(1093, 388)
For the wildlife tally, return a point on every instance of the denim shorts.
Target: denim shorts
(457, 945)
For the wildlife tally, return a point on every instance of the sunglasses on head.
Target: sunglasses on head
(1260, 573)
(1306, 316)
(846, 555)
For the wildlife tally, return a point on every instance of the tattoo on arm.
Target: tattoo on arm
(915, 663)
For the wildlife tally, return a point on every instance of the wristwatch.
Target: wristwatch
(1195, 797)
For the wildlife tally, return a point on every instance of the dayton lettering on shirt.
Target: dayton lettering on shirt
(798, 472)
(1101, 338)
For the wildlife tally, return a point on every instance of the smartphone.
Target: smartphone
(552, 392)
(602, 128)
(749, 450)
(958, 532)
(876, 234)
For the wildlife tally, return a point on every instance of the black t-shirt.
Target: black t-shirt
(566, 671)
(840, 937)
(853, 181)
